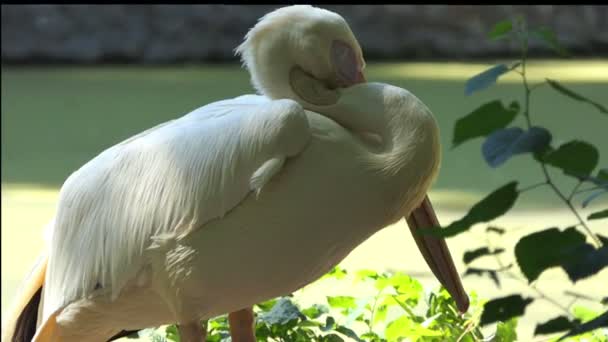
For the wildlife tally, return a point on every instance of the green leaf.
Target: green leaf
(404, 327)
(549, 248)
(593, 196)
(309, 323)
(503, 144)
(559, 87)
(504, 308)
(576, 158)
(603, 239)
(483, 121)
(371, 336)
(583, 261)
(506, 331)
(492, 206)
(342, 302)
(336, 272)
(602, 175)
(366, 274)
(331, 338)
(484, 79)
(381, 283)
(598, 215)
(348, 332)
(492, 274)
(541, 250)
(363, 306)
(547, 36)
(404, 284)
(584, 314)
(558, 324)
(470, 256)
(172, 333)
(601, 180)
(330, 322)
(315, 311)
(501, 30)
(380, 313)
(267, 305)
(283, 312)
(397, 328)
(596, 323)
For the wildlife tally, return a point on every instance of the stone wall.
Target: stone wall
(195, 33)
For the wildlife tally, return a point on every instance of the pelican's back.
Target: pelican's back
(169, 180)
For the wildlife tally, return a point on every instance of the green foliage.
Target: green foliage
(485, 79)
(397, 309)
(562, 89)
(503, 144)
(532, 263)
(506, 331)
(505, 308)
(492, 206)
(555, 325)
(576, 158)
(470, 256)
(547, 36)
(587, 331)
(501, 30)
(483, 121)
(541, 250)
(598, 215)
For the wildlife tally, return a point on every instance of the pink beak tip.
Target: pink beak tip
(463, 307)
(361, 77)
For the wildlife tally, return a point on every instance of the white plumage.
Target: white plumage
(169, 182)
(245, 199)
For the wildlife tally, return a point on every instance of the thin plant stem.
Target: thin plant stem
(538, 85)
(578, 185)
(533, 186)
(581, 296)
(371, 318)
(518, 278)
(527, 90)
(588, 189)
(568, 203)
(548, 179)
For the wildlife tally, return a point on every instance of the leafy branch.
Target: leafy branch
(543, 165)
(538, 251)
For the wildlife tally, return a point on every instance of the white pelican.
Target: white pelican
(165, 227)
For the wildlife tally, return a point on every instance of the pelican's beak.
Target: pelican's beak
(356, 79)
(436, 253)
(360, 77)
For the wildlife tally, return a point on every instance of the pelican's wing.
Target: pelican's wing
(171, 180)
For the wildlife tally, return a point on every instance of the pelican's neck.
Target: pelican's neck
(410, 153)
(270, 69)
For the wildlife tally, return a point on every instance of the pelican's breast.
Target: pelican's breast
(305, 221)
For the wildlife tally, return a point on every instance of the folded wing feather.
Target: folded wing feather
(171, 179)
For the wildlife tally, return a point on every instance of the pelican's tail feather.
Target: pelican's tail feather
(20, 323)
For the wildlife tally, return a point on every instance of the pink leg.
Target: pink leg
(192, 332)
(242, 325)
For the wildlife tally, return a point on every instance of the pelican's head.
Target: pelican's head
(302, 53)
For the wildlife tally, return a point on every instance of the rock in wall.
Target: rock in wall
(196, 33)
